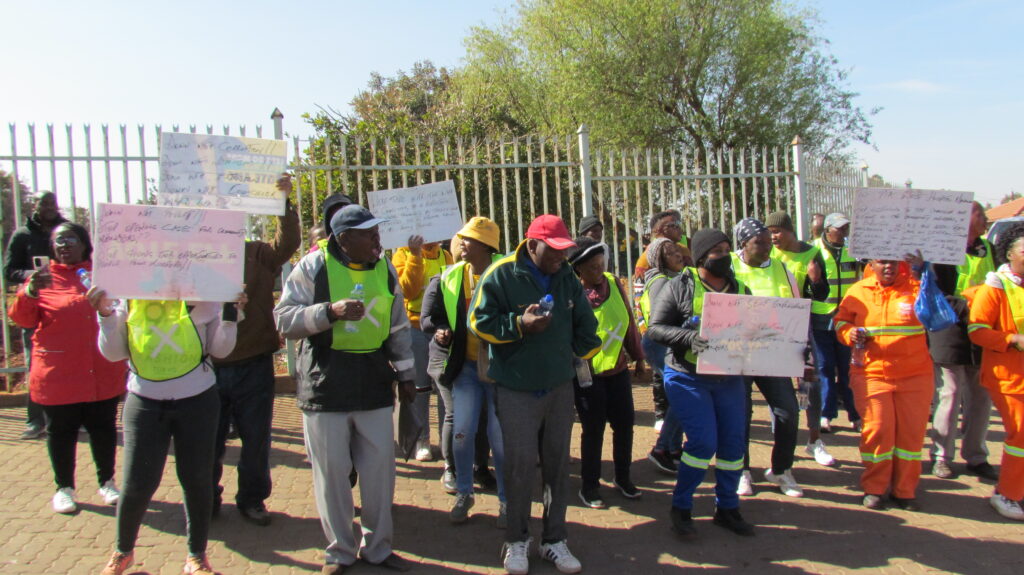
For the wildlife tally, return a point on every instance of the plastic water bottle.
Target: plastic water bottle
(583, 375)
(546, 303)
(358, 294)
(85, 278)
(858, 357)
(695, 321)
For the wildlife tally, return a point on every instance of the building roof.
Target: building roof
(1007, 210)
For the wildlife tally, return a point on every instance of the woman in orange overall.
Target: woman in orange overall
(891, 377)
(997, 325)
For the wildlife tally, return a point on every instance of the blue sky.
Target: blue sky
(949, 74)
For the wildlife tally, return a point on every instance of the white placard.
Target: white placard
(223, 172)
(159, 252)
(888, 223)
(430, 210)
(753, 335)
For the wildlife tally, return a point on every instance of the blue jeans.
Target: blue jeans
(670, 439)
(247, 397)
(469, 395)
(711, 409)
(833, 362)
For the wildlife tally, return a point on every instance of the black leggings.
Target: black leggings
(609, 400)
(100, 420)
(149, 427)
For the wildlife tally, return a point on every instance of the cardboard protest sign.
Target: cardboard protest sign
(430, 210)
(753, 335)
(157, 252)
(225, 172)
(888, 223)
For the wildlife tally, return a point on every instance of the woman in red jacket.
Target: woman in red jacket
(68, 376)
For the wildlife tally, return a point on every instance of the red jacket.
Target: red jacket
(66, 363)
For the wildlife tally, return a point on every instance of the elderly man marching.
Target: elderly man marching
(344, 303)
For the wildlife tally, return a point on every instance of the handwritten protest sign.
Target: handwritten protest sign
(752, 335)
(889, 223)
(430, 210)
(226, 172)
(156, 252)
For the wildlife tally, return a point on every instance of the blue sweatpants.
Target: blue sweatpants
(711, 410)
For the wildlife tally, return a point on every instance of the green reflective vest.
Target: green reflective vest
(698, 303)
(797, 264)
(163, 342)
(771, 281)
(645, 299)
(1014, 297)
(841, 275)
(974, 269)
(375, 327)
(431, 267)
(451, 284)
(612, 324)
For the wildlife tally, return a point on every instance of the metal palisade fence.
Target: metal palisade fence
(510, 179)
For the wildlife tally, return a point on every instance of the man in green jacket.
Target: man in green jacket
(531, 359)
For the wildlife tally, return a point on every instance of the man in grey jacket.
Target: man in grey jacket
(346, 307)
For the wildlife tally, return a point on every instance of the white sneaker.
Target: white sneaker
(786, 483)
(746, 487)
(1006, 507)
(559, 554)
(423, 452)
(64, 500)
(819, 453)
(108, 491)
(517, 557)
(658, 423)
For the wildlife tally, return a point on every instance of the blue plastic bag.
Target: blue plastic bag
(931, 307)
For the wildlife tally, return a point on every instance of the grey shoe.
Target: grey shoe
(460, 511)
(448, 481)
(942, 470)
(33, 432)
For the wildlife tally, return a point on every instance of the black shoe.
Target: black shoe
(984, 470)
(257, 514)
(873, 502)
(448, 481)
(218, 492)
(393, 562)
(733, 521)
(682, 523)
(663, 460)
(942, 470)
(592, 498)
(627, 489)
(485, 479)
(905, 504)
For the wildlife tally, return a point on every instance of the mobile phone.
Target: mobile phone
(229, 312)
(40, 262)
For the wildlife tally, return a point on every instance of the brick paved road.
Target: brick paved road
(825, 532)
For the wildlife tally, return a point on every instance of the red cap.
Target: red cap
(551, 229)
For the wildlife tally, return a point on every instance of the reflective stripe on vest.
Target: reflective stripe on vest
(431, 267)
(645, 298)
(1015, 297)
(797, 264)
(772, 281)
(698, 303)
(840, 274)
(974, 269)
(612, 324)
(375, 327)
(163, 342)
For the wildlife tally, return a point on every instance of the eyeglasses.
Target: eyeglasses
(65, 241)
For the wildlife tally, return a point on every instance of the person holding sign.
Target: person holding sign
(455, 353)
(831, 357)
(74, 384)
(892, 379)
(608, 399)
(343, 302)
(768, 277)
(710, 407)
(997, 325)
(172, 396)
(416, 263)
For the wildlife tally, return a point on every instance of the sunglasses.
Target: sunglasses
(65, 241)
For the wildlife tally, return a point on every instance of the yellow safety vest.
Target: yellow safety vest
(375, 327)
(698, 303)
(451, 284)
(797, 263)
(841, 275)
(612, 324)
(974, 269)
(645, 299)
(772, 281)
(163, 342)
(1015, 297)
(431, 267)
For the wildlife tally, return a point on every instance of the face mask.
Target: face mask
(721, 267)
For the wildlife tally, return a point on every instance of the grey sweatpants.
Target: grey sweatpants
(336, 441)
(956, 385)
(522, 416)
